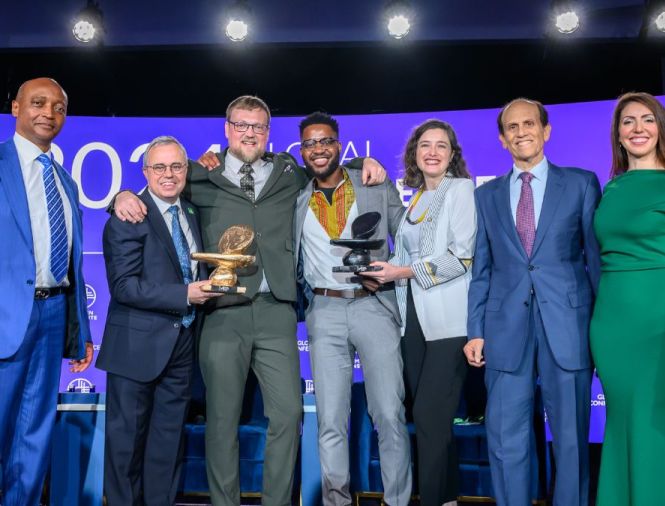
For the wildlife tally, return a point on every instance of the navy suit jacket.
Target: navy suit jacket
(17, 261)
(563, 271)
(148, 293)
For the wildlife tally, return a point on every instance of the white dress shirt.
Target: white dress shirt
(32, 171)
(319, 256)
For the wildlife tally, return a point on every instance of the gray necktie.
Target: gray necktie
(247, 181)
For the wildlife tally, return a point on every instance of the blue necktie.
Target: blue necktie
(56, 221)
(182, 249)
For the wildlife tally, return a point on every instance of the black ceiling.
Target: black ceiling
(169, 58)
(47, 23)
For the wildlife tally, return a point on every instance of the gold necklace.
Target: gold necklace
(412, 204)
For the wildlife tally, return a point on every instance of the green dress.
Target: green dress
(628, 338)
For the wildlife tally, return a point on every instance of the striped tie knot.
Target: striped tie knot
(45, 160)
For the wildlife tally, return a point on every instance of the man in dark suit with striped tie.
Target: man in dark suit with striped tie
(148, 344)
(42, 293)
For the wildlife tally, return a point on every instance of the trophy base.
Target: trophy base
(357, 268)
(231, 290)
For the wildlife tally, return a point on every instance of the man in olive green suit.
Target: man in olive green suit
(244, 185)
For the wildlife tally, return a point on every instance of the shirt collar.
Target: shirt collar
(345, 179)
(162, 205)
(539, 171)
(233, 163)
(27, 151)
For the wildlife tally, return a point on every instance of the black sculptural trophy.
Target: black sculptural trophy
(358, 259)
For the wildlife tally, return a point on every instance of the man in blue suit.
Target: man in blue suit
(535, 271)
(42, 293)
(148, 344)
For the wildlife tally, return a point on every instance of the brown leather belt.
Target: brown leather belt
(343, 294)
(45, 293)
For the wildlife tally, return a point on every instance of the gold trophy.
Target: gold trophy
(232, 245)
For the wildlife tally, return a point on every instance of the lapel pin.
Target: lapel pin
(190, 210)
(288, 169)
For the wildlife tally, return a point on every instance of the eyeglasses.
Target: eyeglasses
(241, 126)
(160, 168)
(325, 142)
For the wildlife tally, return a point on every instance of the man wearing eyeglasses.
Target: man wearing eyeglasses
(344, 317)
(246, 185)
(148, 344)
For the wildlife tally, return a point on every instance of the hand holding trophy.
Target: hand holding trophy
(232, 245)
(358, 259)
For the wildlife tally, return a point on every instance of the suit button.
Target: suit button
(532, 267)
(176, 325)
(526, 303)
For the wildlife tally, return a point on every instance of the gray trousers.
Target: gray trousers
(337, 328)
(260, 335)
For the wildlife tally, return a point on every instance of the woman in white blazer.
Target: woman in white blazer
(431, 269)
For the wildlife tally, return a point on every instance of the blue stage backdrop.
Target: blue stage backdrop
(104, 155)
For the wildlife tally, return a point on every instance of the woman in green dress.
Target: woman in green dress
(628, 325)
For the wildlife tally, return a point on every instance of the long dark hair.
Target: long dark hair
(413, 176)
(619, 153)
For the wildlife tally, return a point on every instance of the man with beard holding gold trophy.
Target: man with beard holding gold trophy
(244, 185)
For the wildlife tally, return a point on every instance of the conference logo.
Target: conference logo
(90, 294)
(309, 386)
(599, 401)
(80, 385)
(303, 345)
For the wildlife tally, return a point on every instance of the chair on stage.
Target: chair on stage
(251, 439)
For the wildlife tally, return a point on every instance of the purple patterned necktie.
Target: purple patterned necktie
(526, 217)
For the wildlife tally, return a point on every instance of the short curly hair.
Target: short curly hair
(319, 118)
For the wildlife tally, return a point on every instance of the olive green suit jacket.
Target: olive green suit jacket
(222, 204)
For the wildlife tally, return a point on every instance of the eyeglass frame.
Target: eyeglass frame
(163, 166)
(324, 142)
(263, 129)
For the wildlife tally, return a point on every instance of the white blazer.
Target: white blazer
(442, 271)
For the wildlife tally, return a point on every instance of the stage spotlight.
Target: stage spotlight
(88, 25)
(660, 21)
(238, 21)
(236, 30)
(567, 22)
(399, 26)
(399, 18)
